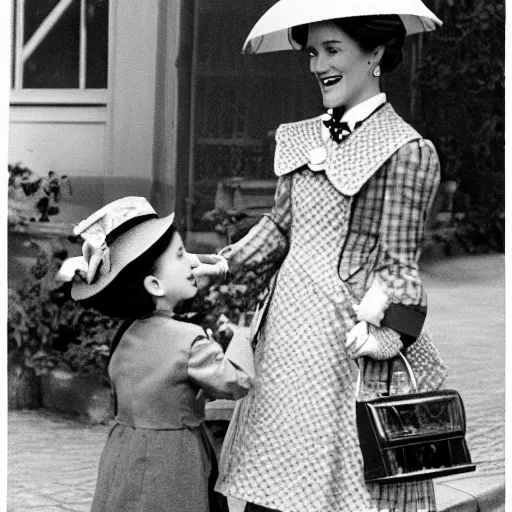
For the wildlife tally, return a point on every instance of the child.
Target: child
(157, 456)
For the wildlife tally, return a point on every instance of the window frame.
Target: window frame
(52, 96)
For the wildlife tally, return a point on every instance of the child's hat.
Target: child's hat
(115, 236)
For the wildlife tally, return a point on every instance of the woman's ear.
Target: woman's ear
(153, 286)
(377, 53)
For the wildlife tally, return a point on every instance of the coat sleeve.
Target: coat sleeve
(222, 375)
(266, 244)
(413, 177)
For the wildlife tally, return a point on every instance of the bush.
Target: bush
(50, 330)
(33, 198)
(462, 83)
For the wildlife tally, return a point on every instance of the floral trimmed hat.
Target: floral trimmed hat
(114, 236)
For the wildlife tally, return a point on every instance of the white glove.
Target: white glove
(376, 342)
(211, 268)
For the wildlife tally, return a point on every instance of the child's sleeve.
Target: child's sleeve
(222, 375)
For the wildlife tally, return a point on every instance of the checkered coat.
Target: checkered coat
(292, 444)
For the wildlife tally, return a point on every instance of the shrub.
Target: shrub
(52, 331)
(34, 198)
(463, 93)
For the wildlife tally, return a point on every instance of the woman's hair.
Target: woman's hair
(126, 296)
(369, 32)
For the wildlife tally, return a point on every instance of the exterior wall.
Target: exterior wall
(124, 144)
(47, 138)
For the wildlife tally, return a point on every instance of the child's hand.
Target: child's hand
(210, 269)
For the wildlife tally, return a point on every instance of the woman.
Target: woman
(353, 195)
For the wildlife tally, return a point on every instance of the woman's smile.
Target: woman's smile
(329, 82)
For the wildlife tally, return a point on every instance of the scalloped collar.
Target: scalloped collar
(350, 164)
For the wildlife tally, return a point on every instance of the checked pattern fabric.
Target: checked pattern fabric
(348, 165)
(292, 444)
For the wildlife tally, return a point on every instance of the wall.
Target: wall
(126, 145)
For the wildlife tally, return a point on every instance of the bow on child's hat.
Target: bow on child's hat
(114, 236)
(272, 32)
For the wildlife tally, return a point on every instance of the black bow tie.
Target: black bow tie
(339, 129)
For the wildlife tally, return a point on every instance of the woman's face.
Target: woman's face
(173, 269)
(343, 69)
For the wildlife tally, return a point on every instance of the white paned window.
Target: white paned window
(60, 51)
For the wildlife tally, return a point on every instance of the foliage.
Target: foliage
(239, 296)
(33, 198)
(462, 83)
(50, 330)
(233, 224)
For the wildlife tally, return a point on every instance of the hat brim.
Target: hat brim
(271, 32)
(125, 249)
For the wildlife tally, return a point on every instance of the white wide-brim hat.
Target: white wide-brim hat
(115, 236)
(272, 31)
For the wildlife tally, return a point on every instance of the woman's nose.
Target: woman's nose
(318, 64)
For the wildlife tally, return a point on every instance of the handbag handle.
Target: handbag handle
(410, 373)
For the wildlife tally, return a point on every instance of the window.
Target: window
(60, 50)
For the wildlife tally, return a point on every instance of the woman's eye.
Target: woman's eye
(332, 51)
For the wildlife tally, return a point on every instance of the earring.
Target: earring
(376, 72)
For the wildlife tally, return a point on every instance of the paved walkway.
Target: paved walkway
(467, 319)
(52, 461)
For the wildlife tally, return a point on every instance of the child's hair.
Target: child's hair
(126, 296)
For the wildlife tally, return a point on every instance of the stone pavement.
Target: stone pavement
(52, 460)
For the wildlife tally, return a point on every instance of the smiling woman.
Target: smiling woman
(345, 232)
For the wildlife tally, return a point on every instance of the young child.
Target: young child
(157, 456)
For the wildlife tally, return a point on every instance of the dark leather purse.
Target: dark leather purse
(412, 436)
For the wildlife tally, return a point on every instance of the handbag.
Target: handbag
(411, 436)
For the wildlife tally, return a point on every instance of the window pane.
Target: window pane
(36, 12)
(55, 62)
(97, 44)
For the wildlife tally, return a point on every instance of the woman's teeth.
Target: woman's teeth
(331, 80)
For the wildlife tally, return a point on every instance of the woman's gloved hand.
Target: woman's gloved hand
(211, 268)
(365, 339)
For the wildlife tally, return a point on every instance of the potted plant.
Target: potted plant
(60, 347)
(34, 198)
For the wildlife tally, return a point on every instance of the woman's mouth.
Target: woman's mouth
(330, 81)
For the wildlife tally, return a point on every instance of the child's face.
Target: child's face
(173, 269)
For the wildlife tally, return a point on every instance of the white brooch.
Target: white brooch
(318, 155)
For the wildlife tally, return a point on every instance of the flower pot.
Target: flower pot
(86, 396)
(23, 385)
